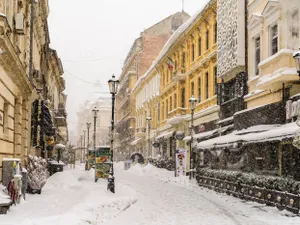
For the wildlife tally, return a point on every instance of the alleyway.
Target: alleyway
(144, 195)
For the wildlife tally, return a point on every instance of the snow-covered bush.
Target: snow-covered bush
(164, 163)
(37, 172)
(251, 179)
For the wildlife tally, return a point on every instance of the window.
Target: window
(167, 108)
(183, 97)
(207, 40)
(183, 60)
(193, 52)
(295, 24)
(192, 88)
(199, 46)
(216, 33)
(206, 85)
(199, 89)
(274, 39)
(175, 101)
(216, 79)
(5, 117)
(162, 111)
(257, 54)
(171, 102)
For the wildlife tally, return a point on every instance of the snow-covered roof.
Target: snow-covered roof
(173, 39)
(54, 162)
(165, 135)
(253, 134)
(201, 135)
(11, 159)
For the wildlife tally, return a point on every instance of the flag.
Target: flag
(170, 64)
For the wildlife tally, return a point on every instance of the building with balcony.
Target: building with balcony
(140, 57)
(25, 94)
(186, 67)
(262, 140)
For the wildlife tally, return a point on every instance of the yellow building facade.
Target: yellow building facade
(186, 67)
(273, 37)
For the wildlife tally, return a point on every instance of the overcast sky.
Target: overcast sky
(84, 31)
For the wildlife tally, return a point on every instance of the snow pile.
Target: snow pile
(4, 198)
(119, 165)
(63, 180)
(37, 172)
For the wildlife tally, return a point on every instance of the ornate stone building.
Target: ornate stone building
(143, 51)
(20, 86)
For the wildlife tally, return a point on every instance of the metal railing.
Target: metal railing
(281, 200)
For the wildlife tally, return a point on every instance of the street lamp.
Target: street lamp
(95, 111)
(149, 143)
(83, 153)
(113, 88)
(296, 57)
(88, 126)
(192, 102)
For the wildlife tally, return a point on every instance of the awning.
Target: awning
(165, 135)
(255, 134)
(201, 135)
(135, 141)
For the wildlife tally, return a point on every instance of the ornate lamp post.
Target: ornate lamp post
(95, 111)
(149, 142)
(88, 126)
(113, 88)
(192, 102)
(296, 57)
(84, 149)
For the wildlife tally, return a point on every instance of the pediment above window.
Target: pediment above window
(271, 7)
(255, 20)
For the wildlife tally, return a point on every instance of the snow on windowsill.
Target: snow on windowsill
(281, 72)
(253, 93)
(280, 52)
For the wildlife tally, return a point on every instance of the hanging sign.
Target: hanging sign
(181, 163)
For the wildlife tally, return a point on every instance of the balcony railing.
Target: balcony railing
(177, 112)
(179, 74)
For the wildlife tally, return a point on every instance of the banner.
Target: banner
(181, 162)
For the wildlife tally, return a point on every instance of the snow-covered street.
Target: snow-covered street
(144, 195)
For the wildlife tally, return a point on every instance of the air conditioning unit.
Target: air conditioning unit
(19, 23)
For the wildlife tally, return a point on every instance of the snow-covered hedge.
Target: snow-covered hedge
(164, 163)
(263, 181)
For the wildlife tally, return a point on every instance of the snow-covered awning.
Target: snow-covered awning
(207, 134)
(201, 135)
(165, 135)
(255, 134)
(135, 141)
